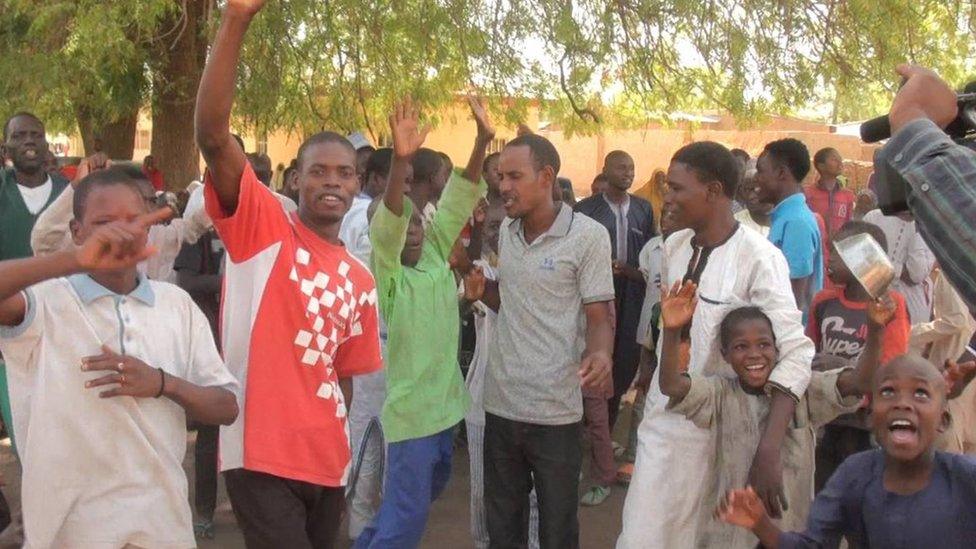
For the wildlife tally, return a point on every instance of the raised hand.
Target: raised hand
(474, 284)
(408, 136)
(881, 311)
(480, 212)
(486, 131)
(741, 508)
(119, 245)
(93, 163)
(957, 376)
(678, 305)
(132, 376)
(245, 7)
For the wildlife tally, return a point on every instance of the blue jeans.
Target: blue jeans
(417, 471)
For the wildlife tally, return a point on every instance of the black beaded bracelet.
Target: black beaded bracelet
(162, 382)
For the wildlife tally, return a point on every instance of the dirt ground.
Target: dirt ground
(449, 523)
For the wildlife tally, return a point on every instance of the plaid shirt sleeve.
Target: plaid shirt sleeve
(942, 176)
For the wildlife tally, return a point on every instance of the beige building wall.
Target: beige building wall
(582, 157)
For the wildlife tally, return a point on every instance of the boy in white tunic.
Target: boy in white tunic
(736, 410)
(730, 264)
(104, 366)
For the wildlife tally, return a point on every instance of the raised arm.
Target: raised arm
(858, 381)
(408, 137)
(486, 132)
(51, 231)
(677, 309)
(113, 246)
(223, 155)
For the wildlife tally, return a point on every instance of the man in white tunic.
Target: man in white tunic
(733, 266)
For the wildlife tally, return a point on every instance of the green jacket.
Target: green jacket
(16, 221)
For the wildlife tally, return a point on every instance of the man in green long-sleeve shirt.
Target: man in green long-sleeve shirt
(426, 396)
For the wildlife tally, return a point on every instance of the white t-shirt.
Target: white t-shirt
(104, 472)
(354, 231)
(650, 263)
(36, 197)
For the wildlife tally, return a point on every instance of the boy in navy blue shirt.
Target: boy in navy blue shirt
(904, 494)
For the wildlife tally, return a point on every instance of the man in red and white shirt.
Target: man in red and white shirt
(298, 318)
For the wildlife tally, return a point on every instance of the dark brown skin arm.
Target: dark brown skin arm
(766, 473)
(208, 405)
(215, 98)
(16, 275)
(800, 287)
(858, 381)
(345, 385)
(673, 383)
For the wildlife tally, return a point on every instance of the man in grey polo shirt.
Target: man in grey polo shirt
(554, 333)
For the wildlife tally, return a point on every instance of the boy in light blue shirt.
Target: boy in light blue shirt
(781, 168)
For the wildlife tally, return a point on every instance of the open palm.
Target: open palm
(408, 136)
(486, 131)
(678, 305)
(742, 508)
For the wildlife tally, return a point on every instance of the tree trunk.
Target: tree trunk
(117, 137)
(176, 68)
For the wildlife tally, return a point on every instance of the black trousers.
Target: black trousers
(205, 471)
(277, 512)
(518, 455)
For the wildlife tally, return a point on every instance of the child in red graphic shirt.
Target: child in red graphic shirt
(838, 328)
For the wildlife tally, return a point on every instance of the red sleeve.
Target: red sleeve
(808, 194)
(897, 331)
(258, 222)
(360, 353)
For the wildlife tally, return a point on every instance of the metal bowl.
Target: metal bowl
(868, 262)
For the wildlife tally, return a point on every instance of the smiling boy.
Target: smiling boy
(298, 317)
(736, 410)
(904, 494)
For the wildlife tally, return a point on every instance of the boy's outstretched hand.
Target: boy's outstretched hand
(120, 244)
(678, 304)
(741, 508)
(881, 311)
(408, 137)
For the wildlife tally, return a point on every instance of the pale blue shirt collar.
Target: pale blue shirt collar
(89, 290)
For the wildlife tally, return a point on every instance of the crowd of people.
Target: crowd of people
(314, 337)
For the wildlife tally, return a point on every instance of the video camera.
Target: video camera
(890, 187)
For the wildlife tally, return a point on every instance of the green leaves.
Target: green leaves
(590, 64)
